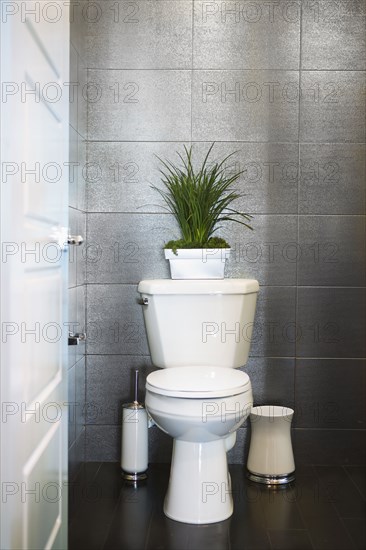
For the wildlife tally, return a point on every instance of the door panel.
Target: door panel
(34, 197)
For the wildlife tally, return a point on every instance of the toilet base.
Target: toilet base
(199, 488)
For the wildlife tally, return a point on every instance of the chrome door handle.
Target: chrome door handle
(75, 239)
(76, 337)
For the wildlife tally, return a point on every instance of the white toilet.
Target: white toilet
(199, 331)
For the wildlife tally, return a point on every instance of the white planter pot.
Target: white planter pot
(197, 263)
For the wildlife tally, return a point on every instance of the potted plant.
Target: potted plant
(200, 200)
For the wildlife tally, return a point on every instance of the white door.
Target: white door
(34, 196)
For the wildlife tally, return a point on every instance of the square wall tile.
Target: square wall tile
(77, 170)
(81, 171)
(71, 318)
(333, 35)
(330, 393)
(123, 174)
(115, 323)
(332, 178)
(272, 380)
(270, 173)
(246, 35)
(239, 453)
(81, 93)
(110, 383)
(267, 253)
(274, 331)
(332, 251)
(126, 248)
(245, 105)
(102, 443)
(72, 253)
(74, 79)
(73, 170)
(141, 35)
(80, 319)
(139, 105)
(79, 407)
(331, 322)
(70, 408)
(332, 106)
(77, 253)
(160, 446)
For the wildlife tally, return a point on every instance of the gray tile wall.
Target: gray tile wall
(283, 85)
(77, 226)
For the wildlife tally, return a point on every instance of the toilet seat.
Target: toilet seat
(198, 382)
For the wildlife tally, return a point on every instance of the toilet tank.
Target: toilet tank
(199, 322)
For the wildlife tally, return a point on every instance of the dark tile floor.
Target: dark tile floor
(323, 509)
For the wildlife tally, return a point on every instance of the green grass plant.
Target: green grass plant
(200, 200)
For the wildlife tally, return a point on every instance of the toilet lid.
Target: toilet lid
(198, 382)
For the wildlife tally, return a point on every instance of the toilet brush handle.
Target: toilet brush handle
(136, 385)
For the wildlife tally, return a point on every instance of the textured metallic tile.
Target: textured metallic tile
(79, 406)
(81, 97)
(80, 449)
(72, 253)
(239, 453)
(266, 253)
(71, 318)
(274, 324)
(330, 393)
(160, 446)
(80, 172)
(246, 35)
(77, 254)
(71, 401)
(270, 174)
(331, 322)
(332, 106)
(245, 105)
(272, 380)
(333, 35)
(80, 319)
(144, 34)
(102, 443)
(73, 168)
(74, 79)
(126, 248)
(115, 322)
(332, 178)
(123, 173)
(331, 251)
(76, 170)
(139, 105)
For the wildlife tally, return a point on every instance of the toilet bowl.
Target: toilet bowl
(199, 334)
(201, 408)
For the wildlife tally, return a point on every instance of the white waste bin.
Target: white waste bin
(271, 458)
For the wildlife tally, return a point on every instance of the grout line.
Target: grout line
(344, 467)
(293, 214)
(223, 69)
(218, 141)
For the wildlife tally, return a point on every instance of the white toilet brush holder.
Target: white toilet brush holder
(271, 458)
(134, 451)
